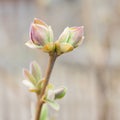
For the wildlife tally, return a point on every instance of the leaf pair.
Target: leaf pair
(33, 77)
(53, 95)
(41, 37)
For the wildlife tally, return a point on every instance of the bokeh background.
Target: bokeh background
(91, 72)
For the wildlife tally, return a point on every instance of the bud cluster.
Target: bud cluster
(41, 37)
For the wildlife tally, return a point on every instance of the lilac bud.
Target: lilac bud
(78, 35)
(41, 35)
(69, 39)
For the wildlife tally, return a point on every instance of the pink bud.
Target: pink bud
(78, 35)
(69, 39)
(40, 33)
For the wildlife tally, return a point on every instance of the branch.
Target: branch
(40, 101)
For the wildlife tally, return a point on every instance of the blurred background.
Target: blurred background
(91, 72)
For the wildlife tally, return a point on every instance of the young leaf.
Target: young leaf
(50, 95)
(40, 83)
(49, 87)
(34, 90)
(44, 113)
(29, 76)
(28, 84)
(53, 104)
(31, 87)
(32, 45)
(35, 70)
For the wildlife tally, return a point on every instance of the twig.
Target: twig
(40, 101)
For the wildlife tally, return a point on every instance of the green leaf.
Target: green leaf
(50, 95)
(34, 90)
(28, 84)
(29, 76)
(53, 104)
(60, 93)
(44, 113)
(35, 70)
(31, 87)
(39, 85)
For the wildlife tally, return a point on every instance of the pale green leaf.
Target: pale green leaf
(31, 44)
(35, 70)
(53, 104)
(29, 76)
(44, 113)
(28, 84)
(50, 95)
(40, 83)
(34, 90)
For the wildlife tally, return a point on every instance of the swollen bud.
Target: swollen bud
(41, 36)
(69, 39)
(60, 93)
